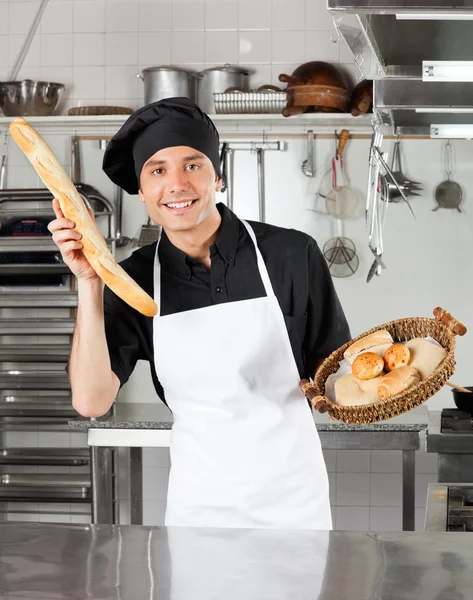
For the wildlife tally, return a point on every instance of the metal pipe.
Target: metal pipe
(230, 180)
(408, 490)
(75, 160)
(103, 506)
(136, 486)
(26, 46)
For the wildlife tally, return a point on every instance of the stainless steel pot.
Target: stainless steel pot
(216, 81)
(167, 82)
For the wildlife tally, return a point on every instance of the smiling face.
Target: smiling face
(178, 186)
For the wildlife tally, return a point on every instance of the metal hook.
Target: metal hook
(333, 39)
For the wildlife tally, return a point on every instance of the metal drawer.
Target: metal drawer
(67, 457)
(44, 353)
(54, 422)
(45, 480)
(35, 380)
(54, 326)
(14, 404)
(38, 299)
(24, 244)
(34, 269)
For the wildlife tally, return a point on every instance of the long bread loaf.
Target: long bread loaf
(94, 246)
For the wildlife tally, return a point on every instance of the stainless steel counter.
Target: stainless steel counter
(454, 449)
(140, 425)
(99, 562)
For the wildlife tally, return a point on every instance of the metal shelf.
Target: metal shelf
(108, 125)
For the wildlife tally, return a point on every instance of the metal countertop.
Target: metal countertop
(78, 562)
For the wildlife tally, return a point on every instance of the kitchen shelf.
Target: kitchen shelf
(107, 125)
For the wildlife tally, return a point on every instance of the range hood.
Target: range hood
(402, 45)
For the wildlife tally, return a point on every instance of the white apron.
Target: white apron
(245, 452)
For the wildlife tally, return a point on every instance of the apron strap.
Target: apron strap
(263, 271)
(157, 277)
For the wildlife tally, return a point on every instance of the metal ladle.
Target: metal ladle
(448, 194)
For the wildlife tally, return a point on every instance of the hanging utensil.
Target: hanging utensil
(392, 178)
(342, 259)
(223, 165)
(396, 167)
(261, 191)
(149, 233)
(308, 164)
(380, 220)
(342, 200)
(340, 252)
(448, 194)
(409, 187)
(230, 164)
(373, 208)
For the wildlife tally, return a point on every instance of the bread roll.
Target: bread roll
(367, 366)
(377, 342)
(397, 381)
(94, 246)
(350, 391)
(425, 356)
(397, 355)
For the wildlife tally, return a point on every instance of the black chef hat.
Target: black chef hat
(163, 124)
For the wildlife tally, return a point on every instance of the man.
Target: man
(245, 311)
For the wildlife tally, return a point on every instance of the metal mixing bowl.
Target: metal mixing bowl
(29, 98)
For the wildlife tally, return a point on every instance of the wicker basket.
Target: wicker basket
(442, 328)
(98, 110)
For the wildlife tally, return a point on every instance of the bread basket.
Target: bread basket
(443, 328)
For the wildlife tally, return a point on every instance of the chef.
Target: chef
(245, 310)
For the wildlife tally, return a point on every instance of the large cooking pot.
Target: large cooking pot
(217, 80)
(167, 82)
(464, 400)
(315, 86)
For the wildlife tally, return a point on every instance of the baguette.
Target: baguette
(94, 246)
(377, 342)
(397, 381)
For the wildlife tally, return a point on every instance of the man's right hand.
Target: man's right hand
(68, 242)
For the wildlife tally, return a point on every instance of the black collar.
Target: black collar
(226, 244)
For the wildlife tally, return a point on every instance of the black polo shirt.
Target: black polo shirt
(299, 275)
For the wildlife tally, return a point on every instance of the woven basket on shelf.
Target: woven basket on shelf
(442, 328)
(98, 110)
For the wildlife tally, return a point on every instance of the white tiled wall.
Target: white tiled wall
(96, 47)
